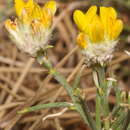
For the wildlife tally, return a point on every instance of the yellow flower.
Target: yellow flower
(98, 31)
(33, 26)
(99, 27)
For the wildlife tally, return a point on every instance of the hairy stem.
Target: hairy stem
(99, 77)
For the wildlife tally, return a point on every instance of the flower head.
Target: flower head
(98, 32)
(31, 30)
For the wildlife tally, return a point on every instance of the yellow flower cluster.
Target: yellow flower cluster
(98, 28)
(29, 11)
(32, 28)
(99, 31)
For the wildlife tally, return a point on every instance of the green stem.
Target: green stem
(77, 101)
(43, 106)
(98, 113)
(102, 87)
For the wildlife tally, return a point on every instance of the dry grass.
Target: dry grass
(23, 82)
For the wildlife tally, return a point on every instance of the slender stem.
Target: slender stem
(103, 92)
(77, 101)
(98, 112)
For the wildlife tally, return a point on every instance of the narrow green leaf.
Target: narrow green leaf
(44, 106)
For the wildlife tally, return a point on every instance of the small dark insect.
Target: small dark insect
(12, 18)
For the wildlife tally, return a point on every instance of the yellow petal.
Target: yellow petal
(91, 12)
(81, 41)
(118, 27)
(96, 32)
(30, 3)
(24, 18)
(104, 15)
(109, 28)
(107, 13)
(24, 8)
(51, 5)
(112, 13)
(89, 17)
(36, 12)
(29, 6)
(46, 17)
(19, 5)
(80, 20)
(28, 12)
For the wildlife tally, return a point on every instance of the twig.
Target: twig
(55, 115)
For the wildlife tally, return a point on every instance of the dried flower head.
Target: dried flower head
(98, 32)
(32, 29)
